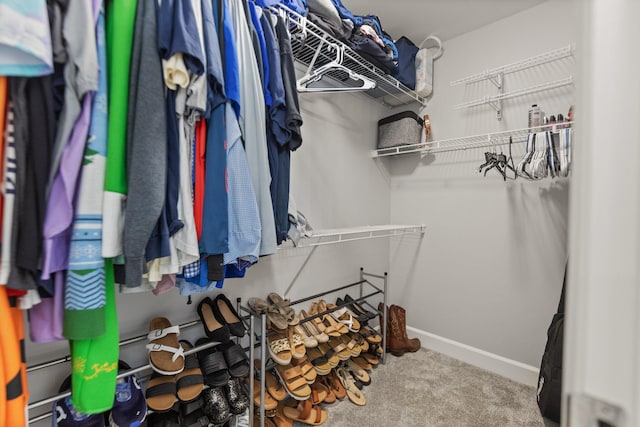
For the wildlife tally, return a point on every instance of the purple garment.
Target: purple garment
(60, 206)
(46, 318)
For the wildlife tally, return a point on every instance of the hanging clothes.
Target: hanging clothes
(30, 54)
(120, 25)
(252, 124)
(146, 144)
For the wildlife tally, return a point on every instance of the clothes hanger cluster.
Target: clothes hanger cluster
(499, 162)
(304, 84)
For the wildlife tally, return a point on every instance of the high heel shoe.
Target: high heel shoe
(312, 328)
(326, 327)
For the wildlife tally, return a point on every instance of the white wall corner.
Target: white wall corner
(508, 368)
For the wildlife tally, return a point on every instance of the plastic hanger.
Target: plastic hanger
(336, 65)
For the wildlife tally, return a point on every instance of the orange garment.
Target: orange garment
(198, 191)
(15, 414)
(18, 325)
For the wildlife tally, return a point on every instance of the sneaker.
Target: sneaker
(130, 406)
(66, 415)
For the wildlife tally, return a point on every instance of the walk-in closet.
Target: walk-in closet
(319, 212)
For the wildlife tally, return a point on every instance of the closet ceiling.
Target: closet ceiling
(417, 19)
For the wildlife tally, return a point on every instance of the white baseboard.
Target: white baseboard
(516, 371)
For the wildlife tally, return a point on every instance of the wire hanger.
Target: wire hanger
(336, 65)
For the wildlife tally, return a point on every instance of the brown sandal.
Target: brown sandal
(307, 413)
(292, 379)
(307, 369)
(190, 381)
(161, 392)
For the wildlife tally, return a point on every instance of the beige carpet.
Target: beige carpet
(429, 389)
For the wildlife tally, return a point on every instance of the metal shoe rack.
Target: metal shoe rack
(34, 406)
(259, 339)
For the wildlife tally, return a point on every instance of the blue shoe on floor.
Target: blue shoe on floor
(130, 406)
(66, 415)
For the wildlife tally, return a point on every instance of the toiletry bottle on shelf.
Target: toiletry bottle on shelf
(535, 116)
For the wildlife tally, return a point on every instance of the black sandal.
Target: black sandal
(193, 414)
(237, 361)
(214, 367)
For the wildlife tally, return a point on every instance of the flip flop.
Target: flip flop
(370, 335)
(292, 379)
(271, 383)
(335, 386)
(353, 393)
(319, 393)
(161, 392)
(359, 372)
(166, 355)
(363, 363)
(190, 381)
(307, 413)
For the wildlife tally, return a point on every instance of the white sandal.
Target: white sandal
(166, 355)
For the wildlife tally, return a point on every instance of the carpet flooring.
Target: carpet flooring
(429, 389)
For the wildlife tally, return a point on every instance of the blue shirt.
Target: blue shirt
(176, 21)
(215, 77)
(244, 218)
(263, 51)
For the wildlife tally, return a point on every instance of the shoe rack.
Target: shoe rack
(258, 333)
(37, 405)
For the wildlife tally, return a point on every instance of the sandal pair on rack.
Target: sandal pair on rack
(280, 314)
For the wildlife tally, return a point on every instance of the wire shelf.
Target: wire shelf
(469, 142)
(306, 38)
(533, 61)
(520, 92)
(341, 235)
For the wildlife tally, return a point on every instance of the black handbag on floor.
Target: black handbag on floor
(549, 393)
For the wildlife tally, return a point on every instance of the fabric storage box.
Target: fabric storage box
(400, 129)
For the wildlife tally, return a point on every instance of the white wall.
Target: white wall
(489, 271)
(335, 184)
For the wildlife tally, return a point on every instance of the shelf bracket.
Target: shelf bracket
(498, 80)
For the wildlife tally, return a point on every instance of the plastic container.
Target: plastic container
(535, 116)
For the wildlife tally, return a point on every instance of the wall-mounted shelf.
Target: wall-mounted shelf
(306, 38)
(495, 100)
(469, 142)
(341, 235)
(533, 61)
(497, 75)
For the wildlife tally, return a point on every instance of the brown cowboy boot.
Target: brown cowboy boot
(412, 344)
(396, 343)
